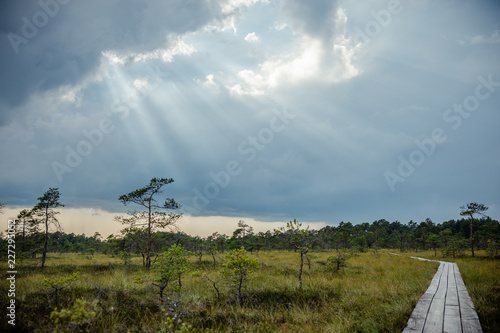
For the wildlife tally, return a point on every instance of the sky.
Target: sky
(261, 110)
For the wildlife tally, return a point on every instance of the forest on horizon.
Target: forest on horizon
(451, 235)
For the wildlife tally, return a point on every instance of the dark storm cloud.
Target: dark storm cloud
(46, 44)
(359, 110)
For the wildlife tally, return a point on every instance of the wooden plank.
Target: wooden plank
(435, 280)
(462, 291)
(452, 293)
(471, 326)
(435, 316)
(419, 314)
(470, 319)
(452, 322)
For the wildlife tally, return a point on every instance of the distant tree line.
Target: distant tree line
(143, 233)
(452, 237)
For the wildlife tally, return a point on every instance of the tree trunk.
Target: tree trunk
(217, 290)
(302, 253)
(46, 241)
(148, 240)
(471, 243)
(162, 286)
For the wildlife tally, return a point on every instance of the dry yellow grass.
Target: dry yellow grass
(374, 293)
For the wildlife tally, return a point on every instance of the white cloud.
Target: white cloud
(209, 82)
(140, 84)
(231, 6)
(326, 58)
(231, 10)
(280, 26)
(493, 39)
(176, 47)
(313, 60)
(480, 39)
(251, 37)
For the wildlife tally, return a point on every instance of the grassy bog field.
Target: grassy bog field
(373, 293)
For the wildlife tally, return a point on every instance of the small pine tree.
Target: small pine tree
(299, 239)
(169, 266)
(237, 271)
(433, 240)
(491, 248)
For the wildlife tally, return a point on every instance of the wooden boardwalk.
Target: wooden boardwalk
(446, 305)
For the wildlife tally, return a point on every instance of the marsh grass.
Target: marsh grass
(374, 293)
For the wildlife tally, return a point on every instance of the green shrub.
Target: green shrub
(56, 286)
(76, 319)
(492, 248)
(455, 248)
(170, 326)
(334, 264)
(169, 267)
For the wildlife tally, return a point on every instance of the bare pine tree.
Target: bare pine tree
(143, 224)
(469, 210)
(43, 213)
